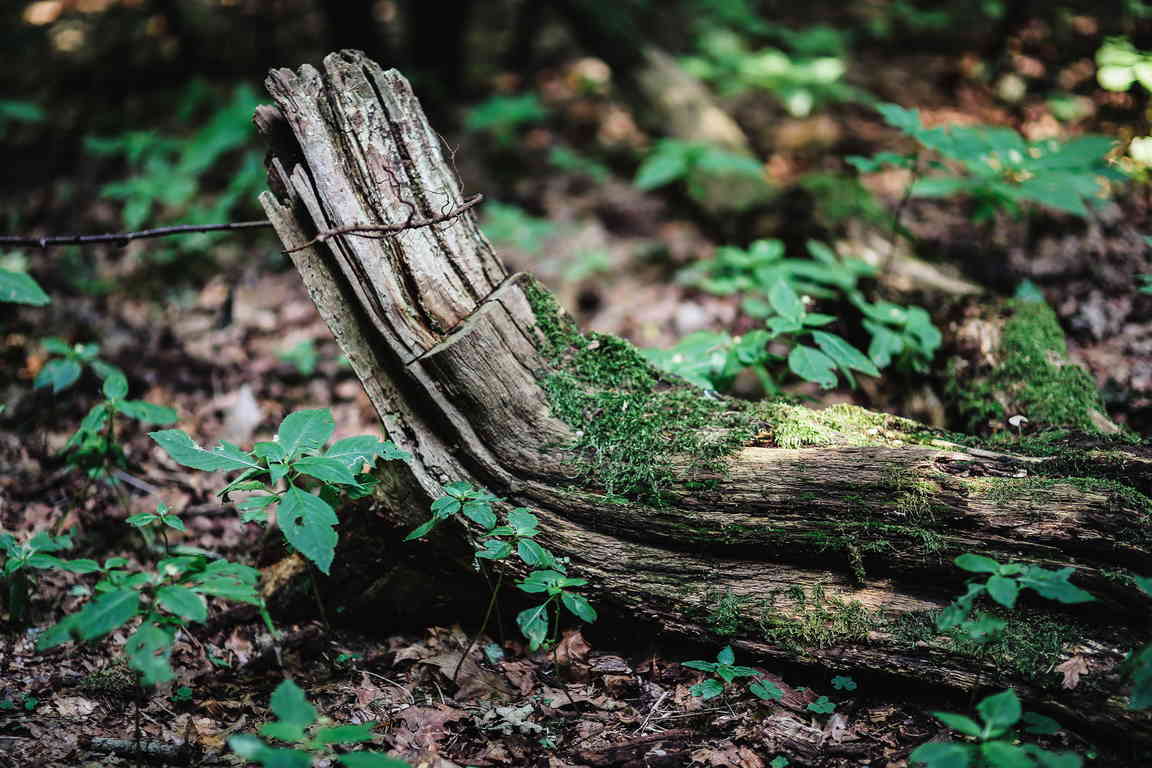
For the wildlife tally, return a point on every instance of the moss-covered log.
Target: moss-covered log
(821, 536)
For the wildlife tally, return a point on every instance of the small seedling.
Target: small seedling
(726, 671)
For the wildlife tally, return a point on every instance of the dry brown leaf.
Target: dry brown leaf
(1072, 669)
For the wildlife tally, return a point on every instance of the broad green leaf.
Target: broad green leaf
(964, 725)
(115, 386)
(844, 683)
(1039, 724)
(307, 522)
(707, 689)
(533, 623)
(494, 549)
(845, 355)
(941, 754)
(885, 344)
(703, 666)
(59, 633)
(290, 705)
(422, 530)
(665, 164)
(1004, 755)
(786, 301)
(1144, 583)
(345, 734)
(524, 522)
(80, 565)
(821, 252)
(726, 655)
(147, 412)
(579, 606)
(183, 602)
(107, 612)
(812, 365)
(534, 555)
(822, 705)
(766, 690)
(185, 452)
(1054, 585)
(246, 745)
(1003, 590)
(1141, 665)
(267, 449)
(370, 760)
(58, 374)
(1000, 711)
(305, 431)
(19, 288)
(976, 563)
(1046, 759)
(148, 650)
(354, 452)
(480, 512)
(325, 469)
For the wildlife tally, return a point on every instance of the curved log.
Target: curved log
(820, 536)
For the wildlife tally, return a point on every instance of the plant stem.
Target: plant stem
(316, 595)
(483, 626)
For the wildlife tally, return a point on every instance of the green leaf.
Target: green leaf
(290, 705)
(1004, 755)
(115, 386)
(976, 563)
(703, 666)
(305, 431)
(142, 519)
(1054, 585)
(533, 623)
(1003, 590)
(525, 522)
(1000, 711)
(19, 288)
(58, 374)
(183, 451)
(784, 299)
(325, 469)
(845, 355)
(267, 449)
(812, 365)
(534, 555)
(354, 452)
(1039, 724)
(148, 650)
(422, 530)
(494, 549)
(766, 690)
(964, 725)
(182, 602)
(578, 605)
(726, 655)
(345, 734)
(822, 705)
(147, 412)
(480, 512)
(667, 163)
(59, 633)
(707, 689)
(307, 522)
(937, 754)
(1048, 759)
(843, 683)
(370, 760)
(107, 612)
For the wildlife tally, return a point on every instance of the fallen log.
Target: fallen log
(819, 536)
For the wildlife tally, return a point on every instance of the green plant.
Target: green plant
(1119, 64)
(165, 600)
(995, 739)
(1003, 584)
(171, 172)
(501, 116)
(822, 705)
(773, 285)
(499, 540)
(311, 737)
(998, 169)
(63, 369)
(1139, 662)
(182, 695)
(17, 561)
(301, 356)
(513, 226)
(94, 447)
(693, 162)
(726, 671)
(843, 683)
(25, 702)
(1147, 283)
(808, 77)
(20, 288)
(779, 762)
(279, 472)
(12, 111)
(568, 159)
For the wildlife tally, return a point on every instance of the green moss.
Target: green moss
(632, 420)
(726, 611)
(1034, 373)
(815, 620)
(794, 426)
(1016, 490)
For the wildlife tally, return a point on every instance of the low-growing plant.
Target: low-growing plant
(311, 737)
(502, 115)
(1119, 65)
(693, 162)
(994, 739)
(66, 362)
(18, 559)
(997, 168)
(164, 600)
(773, 286)
(498, 539)
(17, 287)
(725, 671)
(282, 472)
(301, 356)
(1139, 662)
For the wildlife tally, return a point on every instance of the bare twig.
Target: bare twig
(377, 231)
(125, 237)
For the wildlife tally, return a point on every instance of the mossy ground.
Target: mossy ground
(632, 420)
(1033, 372)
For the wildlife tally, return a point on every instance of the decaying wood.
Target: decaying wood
(448, 348)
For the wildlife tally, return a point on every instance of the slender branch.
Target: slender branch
(126, 237)
(376, 231)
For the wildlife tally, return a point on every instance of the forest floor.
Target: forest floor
(216, 352)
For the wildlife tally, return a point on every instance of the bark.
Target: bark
(822, 537)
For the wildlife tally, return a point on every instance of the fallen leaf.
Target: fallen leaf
(1072, 669)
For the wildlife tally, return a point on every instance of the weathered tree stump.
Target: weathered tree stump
(824, 537)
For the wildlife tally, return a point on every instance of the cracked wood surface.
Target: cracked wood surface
(446, 345)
